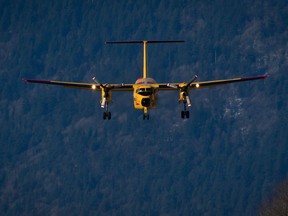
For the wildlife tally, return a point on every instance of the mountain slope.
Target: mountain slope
(59, 157)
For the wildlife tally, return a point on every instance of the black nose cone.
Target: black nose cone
(145, 102)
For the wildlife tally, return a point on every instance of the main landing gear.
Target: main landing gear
(107, 115)
(185, 113)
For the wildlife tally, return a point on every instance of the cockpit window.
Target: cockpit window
(145, 91)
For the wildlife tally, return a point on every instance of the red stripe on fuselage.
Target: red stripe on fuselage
(145, 81)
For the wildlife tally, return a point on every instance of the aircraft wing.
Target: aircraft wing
(208, 84)
(85, 86)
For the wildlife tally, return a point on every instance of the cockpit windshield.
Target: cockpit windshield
(145, 91)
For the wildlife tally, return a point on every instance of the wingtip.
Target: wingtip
(266, 75)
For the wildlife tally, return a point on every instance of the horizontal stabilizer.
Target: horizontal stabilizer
(147, 41)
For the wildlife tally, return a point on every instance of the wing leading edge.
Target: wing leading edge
(85, 86)
(129, 87)
(212, 83)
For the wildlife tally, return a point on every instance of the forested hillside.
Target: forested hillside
(57, 155)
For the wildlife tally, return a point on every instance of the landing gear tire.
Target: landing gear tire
(107, 115)
(182, 114)
(145, 116)
(185, 114)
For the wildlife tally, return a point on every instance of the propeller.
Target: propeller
(106, 91)
(184, 89)
(172, 86)
(193, 80)
(106, 85)
(97, 82)
(103, 102)
(106, 88)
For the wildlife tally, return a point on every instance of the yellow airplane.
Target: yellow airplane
(145, 90)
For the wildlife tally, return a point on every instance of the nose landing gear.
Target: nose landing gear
(145, 115)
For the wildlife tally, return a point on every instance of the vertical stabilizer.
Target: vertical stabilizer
(145, 73)
(144, 42)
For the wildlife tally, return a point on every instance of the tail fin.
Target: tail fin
(144, 42)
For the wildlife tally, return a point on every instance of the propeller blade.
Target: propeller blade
(103, 102)
(188, 101)
(172, 86)
(97, 82)
(193, 80)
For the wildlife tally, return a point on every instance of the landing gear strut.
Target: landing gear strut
(107, 114)
(145, 115)
(185, 113)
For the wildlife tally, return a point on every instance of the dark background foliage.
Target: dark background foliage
(57, 155)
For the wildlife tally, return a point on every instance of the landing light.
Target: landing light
(93, 87)
(197, 85)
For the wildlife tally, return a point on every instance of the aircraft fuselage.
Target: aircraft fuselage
(145, 94)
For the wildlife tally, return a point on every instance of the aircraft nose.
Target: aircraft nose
(145, 102)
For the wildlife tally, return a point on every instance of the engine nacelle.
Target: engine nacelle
(184, 97)
(106, 97)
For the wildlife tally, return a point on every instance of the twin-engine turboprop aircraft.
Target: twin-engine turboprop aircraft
(145, 90)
